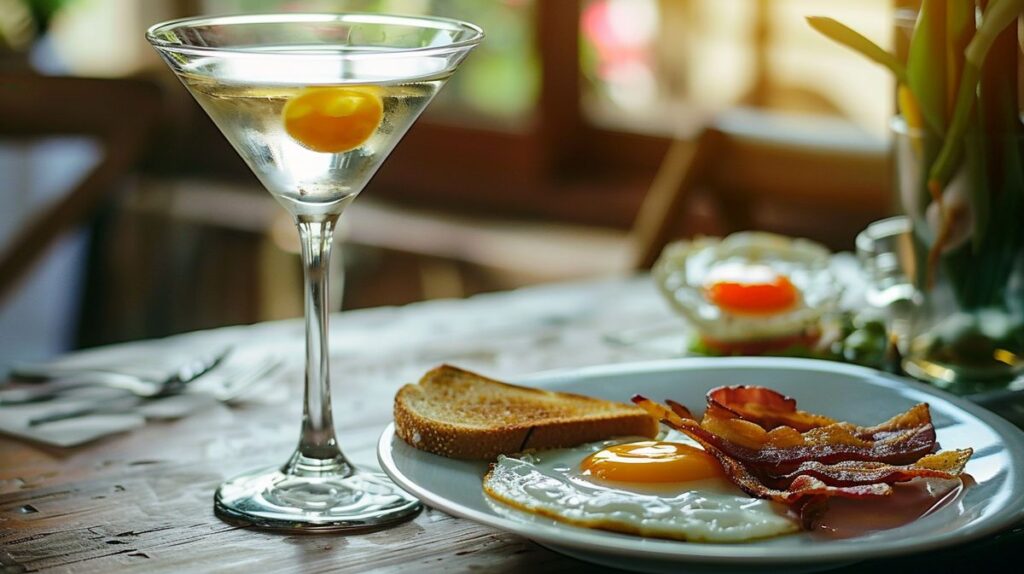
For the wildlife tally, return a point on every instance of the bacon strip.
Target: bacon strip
(765, 407)
(889, 443)
(945, 465)
(903, 447)
(834, 459)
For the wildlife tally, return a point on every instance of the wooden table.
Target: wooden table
(142, 501)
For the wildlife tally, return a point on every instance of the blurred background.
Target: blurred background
(572, 144)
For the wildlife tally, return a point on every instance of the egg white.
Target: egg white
(550, 483)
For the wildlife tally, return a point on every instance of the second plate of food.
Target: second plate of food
(992, 499)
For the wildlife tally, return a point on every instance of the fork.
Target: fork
(174, 383)
(234, 384)
(229, 389)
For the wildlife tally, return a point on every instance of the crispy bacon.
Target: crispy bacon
(805, 469)
(898, 448)
(765, 407)
(765, 452)
(855, 473)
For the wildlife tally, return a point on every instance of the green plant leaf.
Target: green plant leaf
(1014, 168)
(977, 181)
(959, 32)
(926, 64)
(856, 41)
(999, 15)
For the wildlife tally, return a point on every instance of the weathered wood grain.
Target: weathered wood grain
(142, 502)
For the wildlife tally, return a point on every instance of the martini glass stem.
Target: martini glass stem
(318, 451)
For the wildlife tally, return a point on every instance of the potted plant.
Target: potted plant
(960, 174)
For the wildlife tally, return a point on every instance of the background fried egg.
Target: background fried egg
(749, 285)
(668, 488)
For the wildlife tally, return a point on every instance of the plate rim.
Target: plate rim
(594, 540)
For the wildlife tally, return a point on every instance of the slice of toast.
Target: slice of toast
(459, 414)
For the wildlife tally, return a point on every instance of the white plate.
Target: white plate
(848, 392)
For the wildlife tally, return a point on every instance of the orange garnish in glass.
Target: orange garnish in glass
(334, 119)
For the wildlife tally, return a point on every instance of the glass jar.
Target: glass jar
(966, 331)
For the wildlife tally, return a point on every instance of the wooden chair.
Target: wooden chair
(118, 113)
(833, 177)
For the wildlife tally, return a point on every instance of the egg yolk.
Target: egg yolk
(652, 461)
(335, 119)
(755, 290)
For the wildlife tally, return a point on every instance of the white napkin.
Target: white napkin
(153, 360)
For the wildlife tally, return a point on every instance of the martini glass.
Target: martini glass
(314, 103)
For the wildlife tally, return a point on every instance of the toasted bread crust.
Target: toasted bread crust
(558, 419)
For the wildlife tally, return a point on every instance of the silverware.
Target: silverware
(175, 383)
(234, 384)
(229, 389)
(44, 373)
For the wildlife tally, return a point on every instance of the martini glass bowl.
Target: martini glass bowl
(314, 103)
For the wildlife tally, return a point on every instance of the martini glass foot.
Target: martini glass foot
(273, 499)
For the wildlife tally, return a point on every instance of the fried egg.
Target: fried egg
(754, 301)
(750, 286)
(666, 488)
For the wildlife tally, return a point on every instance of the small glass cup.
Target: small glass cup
(886, 253)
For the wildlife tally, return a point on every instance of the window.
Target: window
(648, 60)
